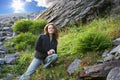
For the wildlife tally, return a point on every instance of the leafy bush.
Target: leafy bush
(37, 26)
(93, 41)
(22, 26)
(24, 41)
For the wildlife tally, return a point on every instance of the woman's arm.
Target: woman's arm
(56, 47)
(38, 45)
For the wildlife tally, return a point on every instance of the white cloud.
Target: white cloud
(28, 0)
(18, 6)
(43, 3)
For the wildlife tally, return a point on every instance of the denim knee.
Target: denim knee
(54, 56)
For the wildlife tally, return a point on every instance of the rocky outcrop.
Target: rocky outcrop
(98, 71)
(108, 68)
(75, 11)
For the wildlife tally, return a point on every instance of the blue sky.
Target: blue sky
(19, 6)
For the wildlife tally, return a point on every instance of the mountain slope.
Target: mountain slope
(74, 11)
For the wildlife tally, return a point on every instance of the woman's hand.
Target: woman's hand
(51, 51)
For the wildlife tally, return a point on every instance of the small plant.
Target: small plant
(93, 41)
(37, 26)
(22, 26)
(24, 40)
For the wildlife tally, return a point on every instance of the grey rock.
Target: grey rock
(11, 58)
(117, 58)
(116, 2)
(6, 28)
(1, 70)
(105, 54)
(2, 54)
(7, 38)
(1, 43)
(3, 50)
(4, 79)
(2, 61)
(100, 61)
(99, 70)
(109, 58)
(3, 33)
(74, 66)
(116, 42)
(64, 12)
(2, 38)
(115, 50)
(114, 74)
(10, 76)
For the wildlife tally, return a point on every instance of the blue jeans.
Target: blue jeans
(35, 64)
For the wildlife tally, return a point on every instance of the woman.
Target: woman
(46, 49)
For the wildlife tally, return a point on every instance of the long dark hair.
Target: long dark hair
(55, 34)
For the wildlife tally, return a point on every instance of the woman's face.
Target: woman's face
(51, 29)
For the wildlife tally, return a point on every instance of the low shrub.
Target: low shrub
(22, 26)
(24, 41)
(93, 41)
(37, 26)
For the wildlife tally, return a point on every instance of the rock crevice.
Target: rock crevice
(73, 11)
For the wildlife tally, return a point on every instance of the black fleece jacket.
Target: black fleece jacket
(43, 45)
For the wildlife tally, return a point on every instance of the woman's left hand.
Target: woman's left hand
(51, 51)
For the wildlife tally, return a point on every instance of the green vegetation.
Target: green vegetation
(27, 31)
(93, 41)
(22, 26)
(24, 40)
(35, 27)
(85, 42)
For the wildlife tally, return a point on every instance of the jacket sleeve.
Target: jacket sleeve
(56, 48)
(38, 45)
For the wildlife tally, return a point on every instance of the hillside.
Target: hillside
(69, 48)
(87, 31)
(65, 12)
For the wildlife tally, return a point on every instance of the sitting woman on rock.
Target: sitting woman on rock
(46, 49)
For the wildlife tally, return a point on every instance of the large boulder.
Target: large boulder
(64, 12)
(114, 74)
(74, 66)
(98, 71)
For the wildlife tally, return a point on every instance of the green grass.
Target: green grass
(68, 50)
